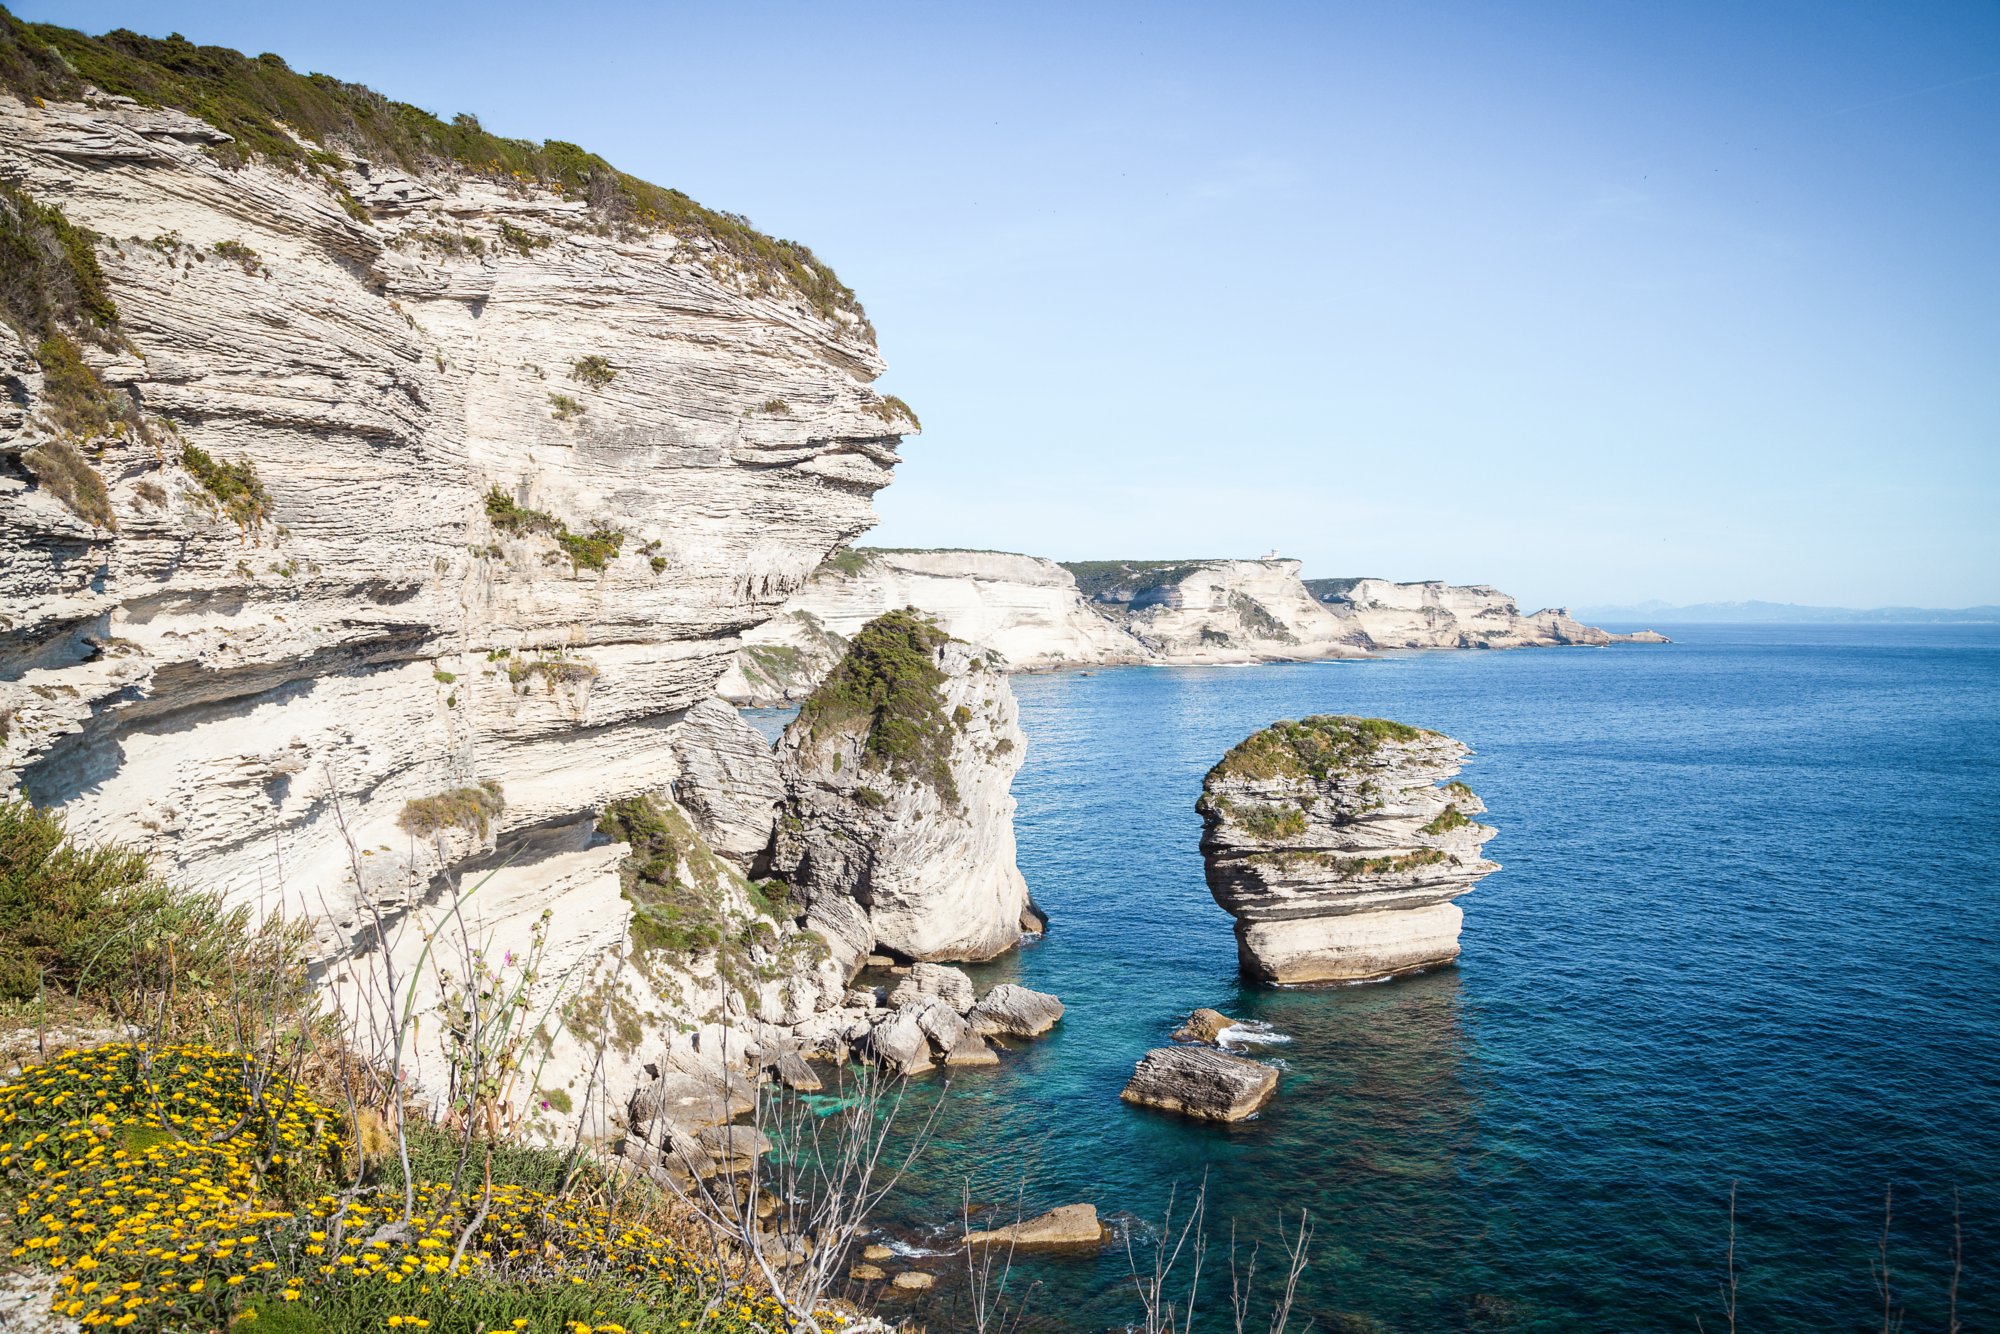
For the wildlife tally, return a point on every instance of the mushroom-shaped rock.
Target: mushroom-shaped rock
(898, 812)
(925, 980)
(1009, 1011)
(1071, 1227)
(1332, 843)
(1200, 1082)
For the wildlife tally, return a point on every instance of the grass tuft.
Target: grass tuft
(468, 808)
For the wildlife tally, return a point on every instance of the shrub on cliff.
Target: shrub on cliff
(86, 925)
(1315, 747)
(468, 808)
(888, 688)
(307, 120)
(50, 280)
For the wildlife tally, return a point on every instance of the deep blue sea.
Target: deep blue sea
(1745, 937)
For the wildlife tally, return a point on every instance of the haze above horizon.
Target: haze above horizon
(1596, 303)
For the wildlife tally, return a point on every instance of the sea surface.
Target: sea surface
(1744, 941)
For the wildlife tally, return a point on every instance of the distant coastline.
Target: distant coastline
(1786, 613)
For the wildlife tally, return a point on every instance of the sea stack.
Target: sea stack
(897, 828)
(1338, 845)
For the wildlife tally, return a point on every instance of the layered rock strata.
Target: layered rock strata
(1201, 1082)
(1338, 845)
(1038, 615)
(380, 521)
(1218, 611)
(897, 830)
(1023, 608)
(1438, 615)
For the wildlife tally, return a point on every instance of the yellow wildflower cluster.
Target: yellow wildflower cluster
(186, 1188)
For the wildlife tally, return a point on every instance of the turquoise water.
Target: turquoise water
(1745, 934)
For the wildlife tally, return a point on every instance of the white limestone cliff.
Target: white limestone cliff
(1223, 611)
(1022, 607)
(1333, 845)
(1039, 615)
(1432, 614)
(524, 476)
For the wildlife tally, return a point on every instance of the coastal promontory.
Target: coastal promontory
(1338, 845)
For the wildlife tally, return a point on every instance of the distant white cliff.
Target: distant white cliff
(1039, 615)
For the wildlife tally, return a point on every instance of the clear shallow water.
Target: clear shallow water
(1746, 933)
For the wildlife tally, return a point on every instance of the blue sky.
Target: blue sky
(1596, 301)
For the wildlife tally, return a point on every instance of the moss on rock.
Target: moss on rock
(1315, 747)
(888, 689)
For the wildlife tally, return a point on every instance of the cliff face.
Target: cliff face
(1220, 611)
(1025, 609)
(521, 495)
(897, 830)
(1040, 615)
(1334, 847)
(1440, 615)
(372, 539)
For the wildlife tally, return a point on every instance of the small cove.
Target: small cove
(1744, 934)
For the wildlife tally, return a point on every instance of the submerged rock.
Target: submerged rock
(898, 826)
(1015, 1012)
(1334, 847)
(1068, 1227)
(1200, 1082)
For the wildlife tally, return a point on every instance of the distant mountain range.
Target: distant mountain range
(1785, 612)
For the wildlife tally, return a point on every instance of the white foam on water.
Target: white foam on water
(1250, 1033)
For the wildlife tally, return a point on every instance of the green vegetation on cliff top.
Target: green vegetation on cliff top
(1125, 580)
(255, 100)
(1312, 748)
(889, 684)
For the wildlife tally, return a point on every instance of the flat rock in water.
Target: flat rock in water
(875, 1253)
(913, 1280)
(1015, 1012)
(867, 1274)
(1200, 1082)
(1070, 1227)
(972, 1050)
